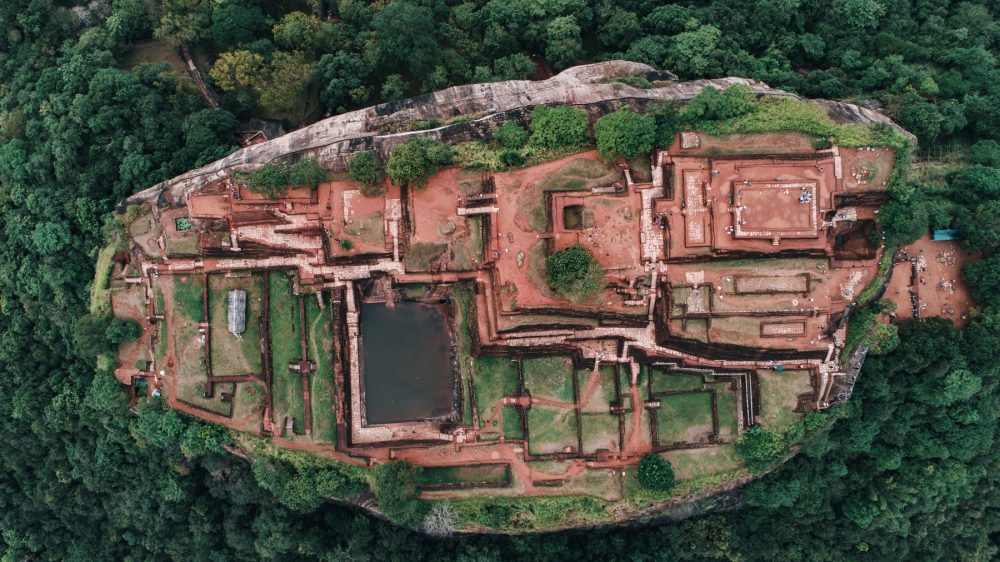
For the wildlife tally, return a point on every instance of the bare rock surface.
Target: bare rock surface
(485, 106)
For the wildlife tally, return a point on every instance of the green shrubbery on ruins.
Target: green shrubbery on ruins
(558, 127)
(574, 273)
(655, 473)
(364, 168)
(413, 162)
(273, 179)
(624, 134)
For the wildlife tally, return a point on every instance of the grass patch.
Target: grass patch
(320, 349)
(182, 245)
(604, 394)
(232, 356)
(495, 377)
(476, 474)
(100, 295)
(779, 395)
(551, 430)
(725, 406)
(187, 296)
(421, 254)
(682, 417)
(786, 114)
(527, 514)
(549, 377)
(664, 381)
(511, 421)
(285, 347)
(600, 431)
(462, 296)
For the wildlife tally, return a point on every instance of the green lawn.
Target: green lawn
(465, 474)
(684, 417)
(602, 397)
(230, 355)
(512, 423)
(187, 296)
(551, 430)
(462, 296)
(725, 405)
(600, 431)
(320, 349)
(691, 463)
(495, 377)
(664, 381)
(779, 395)
(285, 347)
(549, 377)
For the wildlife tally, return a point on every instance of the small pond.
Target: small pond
(406, 362)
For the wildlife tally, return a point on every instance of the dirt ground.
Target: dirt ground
(520, 249)
(940, 289)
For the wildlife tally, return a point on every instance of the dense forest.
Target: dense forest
(908, 470)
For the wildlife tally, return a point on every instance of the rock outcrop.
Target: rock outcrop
(482, 107)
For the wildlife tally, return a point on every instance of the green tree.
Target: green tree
(983, 278)
(513, 67)
(122, 330)
(564, 46)
(307, 172)
(404, 39)
(982, 226)
(986, 153)
(760, 448)
(655, 473)
(620, 30)
(574, 273)
(238, 69)
(413, 162)
(299, 32)
(271, 180)
(236, 23)
(364, 168)
(341, 79)
(289, 79)
(711, 104)
(182, 21)
(624, 134)
(393, 88)
(558, 127)
(90, 335)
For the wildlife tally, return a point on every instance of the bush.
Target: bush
(558, 127)
(760, 448)
(364, 168)
(395, 486)
(624, 134)
(574, 273)
(510, 135)
(307, 171)
(417, 160)
(655, 473)
(511, 158)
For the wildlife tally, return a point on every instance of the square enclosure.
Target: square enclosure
(775, 210)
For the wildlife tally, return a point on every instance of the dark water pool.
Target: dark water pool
(406, 370)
